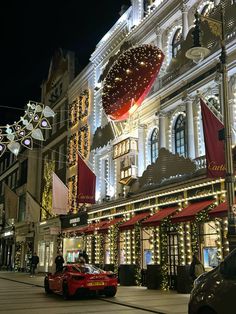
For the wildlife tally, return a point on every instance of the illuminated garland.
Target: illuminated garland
(114, 240)
(18, 255)
(137, 254)
(29, 127)
(164, 254)
(199, 218)
(49, 167)
(59, 242)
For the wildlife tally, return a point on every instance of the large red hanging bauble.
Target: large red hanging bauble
(130, 80)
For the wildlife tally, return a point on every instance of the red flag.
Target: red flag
(86, 183)
(215, 154)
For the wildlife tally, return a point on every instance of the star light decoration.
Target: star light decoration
(29, 127)
(130, 80)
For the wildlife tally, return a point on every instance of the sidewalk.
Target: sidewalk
(156, 301)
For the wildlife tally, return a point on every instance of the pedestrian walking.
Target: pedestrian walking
(59, 261)
(196, 268)
(33, 264)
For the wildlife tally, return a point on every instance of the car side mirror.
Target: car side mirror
(222, 268)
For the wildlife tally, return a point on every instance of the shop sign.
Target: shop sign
(172, 198)
(79, 219)
(200, 191)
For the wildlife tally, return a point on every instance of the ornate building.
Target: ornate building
(155, 205)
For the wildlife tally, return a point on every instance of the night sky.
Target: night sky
(31, 31)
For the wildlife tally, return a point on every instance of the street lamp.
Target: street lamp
(197, 54)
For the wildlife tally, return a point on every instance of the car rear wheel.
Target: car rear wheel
(206, 310)
(46, 286)
(110, 292)
(65, 291)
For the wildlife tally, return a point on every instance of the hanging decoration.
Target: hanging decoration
(130, 80)
(28, 128)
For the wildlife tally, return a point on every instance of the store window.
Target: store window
(71, 249)
(208, 241)
(107, 250)
(147, 257)
(41, 253)
(180, 143)
(154, 145)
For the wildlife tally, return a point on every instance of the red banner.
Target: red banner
(86, 183)
(215, 154)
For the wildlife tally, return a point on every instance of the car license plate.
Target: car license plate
(96, 283)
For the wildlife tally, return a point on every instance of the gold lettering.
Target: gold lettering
(213, 166)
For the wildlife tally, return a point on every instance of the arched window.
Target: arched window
(154, 145)
(176, 42)
(180, 145)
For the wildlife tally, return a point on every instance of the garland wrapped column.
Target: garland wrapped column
(164, 257)
(137, 254)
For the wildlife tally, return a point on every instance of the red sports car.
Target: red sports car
(81, 279)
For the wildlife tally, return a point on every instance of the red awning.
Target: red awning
(110, 223)
(92, 227)
(82, 229)
(130, 223)
(156, 219)
(188, 213)
(219, 211)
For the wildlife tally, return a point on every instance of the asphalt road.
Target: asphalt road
(21, 294)
(25, 299)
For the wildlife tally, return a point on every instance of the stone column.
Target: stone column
(162, 130)
(184, 20)
(190, 128)
(232, 106)
(141, 149)
(158, 32)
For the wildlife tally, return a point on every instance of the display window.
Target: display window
(147, 251)
(208, 243)
(71, 249)
(107, 250)
(41, 253)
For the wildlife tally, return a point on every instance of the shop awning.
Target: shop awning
(220, 210)
(82, 229)
(92, 227)
(130, 223)
(110, 223)
(156, 219)
(188, 213)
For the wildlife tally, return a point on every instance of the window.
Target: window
(106, 176)
(154, 145)
(22, 208)
(180, 145)
(176, 42)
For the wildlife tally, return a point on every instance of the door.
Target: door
(173, 259)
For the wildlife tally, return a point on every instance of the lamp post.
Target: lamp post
(197, 54)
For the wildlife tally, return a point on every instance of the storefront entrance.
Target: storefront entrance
(173, 258)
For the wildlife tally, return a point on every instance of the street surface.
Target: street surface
(20, 294)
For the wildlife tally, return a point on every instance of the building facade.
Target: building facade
(155, 204)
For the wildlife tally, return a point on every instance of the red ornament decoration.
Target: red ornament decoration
(130, 79)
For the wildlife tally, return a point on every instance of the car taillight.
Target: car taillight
(78, 277)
